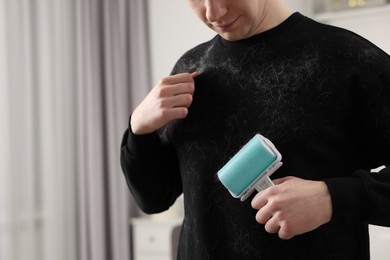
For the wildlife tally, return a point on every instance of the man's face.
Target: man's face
(232, 19)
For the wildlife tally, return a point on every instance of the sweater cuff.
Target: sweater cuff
(143, 145)
(348, 197)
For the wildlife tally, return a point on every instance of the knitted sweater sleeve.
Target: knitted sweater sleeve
(151, 170)
(365, 196)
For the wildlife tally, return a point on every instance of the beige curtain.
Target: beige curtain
(67, 85)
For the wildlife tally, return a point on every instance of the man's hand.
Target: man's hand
(293, 206)
(167, 101)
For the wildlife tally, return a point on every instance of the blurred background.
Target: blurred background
(71, 71)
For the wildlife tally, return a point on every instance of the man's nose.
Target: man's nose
(215, 9)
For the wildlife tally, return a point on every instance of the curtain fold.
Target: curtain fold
(140, 51)
(70, 73)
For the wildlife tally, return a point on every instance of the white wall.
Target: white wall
(371, 23)
(174, 29)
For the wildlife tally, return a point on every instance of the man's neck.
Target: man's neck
(275, 13)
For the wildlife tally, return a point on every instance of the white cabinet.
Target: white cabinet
(379, 242)
(155, 239)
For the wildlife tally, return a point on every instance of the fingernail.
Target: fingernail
(194, 74)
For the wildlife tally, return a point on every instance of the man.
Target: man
(321, 94)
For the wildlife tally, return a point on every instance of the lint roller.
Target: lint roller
(249, 169)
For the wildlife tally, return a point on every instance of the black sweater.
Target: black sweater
(321, 94)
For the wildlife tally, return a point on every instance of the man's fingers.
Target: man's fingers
(183, 100)
(164, 91)
(284, 233)
(263, 216)
(281, 180)
(194, 74)
(181, 77)
(177, 113)
(260, 200)
(275, 225)
(181, 88)
(177, 84)
(272, 226)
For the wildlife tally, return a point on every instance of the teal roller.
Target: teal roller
(250, 168)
